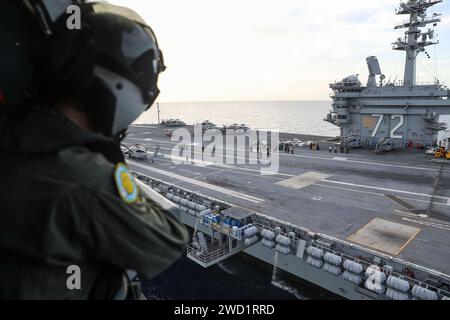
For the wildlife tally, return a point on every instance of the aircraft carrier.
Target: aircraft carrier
(360, 225)
(333, 220)
(403, 112)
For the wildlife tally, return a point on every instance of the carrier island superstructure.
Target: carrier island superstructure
(405, 112)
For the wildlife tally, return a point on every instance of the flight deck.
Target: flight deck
(395, 203)
(372, 223)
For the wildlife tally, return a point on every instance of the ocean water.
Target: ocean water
(239, 277)
(304, 117)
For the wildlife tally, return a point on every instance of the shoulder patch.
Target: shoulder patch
(126, 186)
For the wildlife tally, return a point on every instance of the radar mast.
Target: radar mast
(415, 39)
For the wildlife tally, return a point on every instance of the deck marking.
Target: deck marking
(227, 167)
(303, 180)
(408, 242)
(362, 161)
(231, 168)
(386, 189)
(198, 163)
(200, 183)
(423, 216)
(142, 126)
(378, 194)
(400, 202)
(218, 164)
(429, 224)
(385, 235)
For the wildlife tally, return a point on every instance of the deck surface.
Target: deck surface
(397, 203)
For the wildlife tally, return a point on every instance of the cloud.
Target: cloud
(265, 49)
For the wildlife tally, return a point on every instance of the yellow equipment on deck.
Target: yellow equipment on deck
(442, 153)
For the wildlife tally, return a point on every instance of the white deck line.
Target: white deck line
(206, 164)
(229, 192)
(379, 194)
(386, 189)
(359, 161)
(429, 224)
(143, 126)
(303, 180)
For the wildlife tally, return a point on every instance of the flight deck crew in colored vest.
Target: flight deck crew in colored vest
(68, 203)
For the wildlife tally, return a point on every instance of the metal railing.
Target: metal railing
(216, 252)
(313, 239)
(211, 255)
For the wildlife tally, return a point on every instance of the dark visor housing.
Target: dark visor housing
(112, 39)
(128, 46)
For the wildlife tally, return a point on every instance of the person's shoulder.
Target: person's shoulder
(91, 172)
(86, 168)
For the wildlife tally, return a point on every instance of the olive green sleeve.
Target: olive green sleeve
(142, 236)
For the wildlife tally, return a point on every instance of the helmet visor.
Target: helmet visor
(128, 101)
(129, 47)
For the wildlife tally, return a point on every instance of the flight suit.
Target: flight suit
(62, 205)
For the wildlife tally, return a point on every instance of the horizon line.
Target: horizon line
(256, 100)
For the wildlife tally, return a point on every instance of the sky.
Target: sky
(239, 50)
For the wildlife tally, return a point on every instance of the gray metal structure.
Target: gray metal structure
(355, 226)
(405, 111)
(391, 213)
